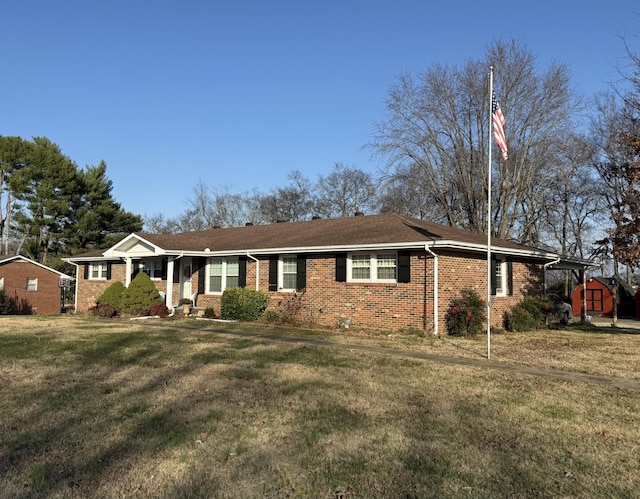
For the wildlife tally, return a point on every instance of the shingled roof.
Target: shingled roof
(392, 229)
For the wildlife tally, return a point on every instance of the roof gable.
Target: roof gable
(20, 258)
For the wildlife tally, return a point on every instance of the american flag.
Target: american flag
(498, 124)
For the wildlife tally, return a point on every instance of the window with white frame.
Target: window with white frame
(373, 267)
(153, 268)
(502, 277)
(288, 273)
(98, 270)
(1, 282)
(32, 284)
(499, 278)
(223, 273)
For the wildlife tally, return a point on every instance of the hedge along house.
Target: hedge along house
(379, 271)
(34, 287)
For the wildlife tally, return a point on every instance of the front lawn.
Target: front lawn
(137, 409)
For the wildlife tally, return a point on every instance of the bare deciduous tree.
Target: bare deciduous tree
(437, 129)
(344, 192)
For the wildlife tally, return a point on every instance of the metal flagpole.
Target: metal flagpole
(489, 215)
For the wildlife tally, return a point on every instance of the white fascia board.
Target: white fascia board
(434, 245)
(122, 248)
(533, 253)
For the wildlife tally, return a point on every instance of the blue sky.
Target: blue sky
(239, 94)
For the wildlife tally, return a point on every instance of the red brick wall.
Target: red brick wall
(44, 301)
(458, 271)
(382, 306)
(89, 290)
(390, 306)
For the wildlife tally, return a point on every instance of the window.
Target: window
(501, 277)
(223, 273)
(153, 268)
(32, 284)
(289, 273)
(373, 267)
(1, 282)
(98, 270)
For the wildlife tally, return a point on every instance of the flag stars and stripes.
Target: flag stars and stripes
(498, 127)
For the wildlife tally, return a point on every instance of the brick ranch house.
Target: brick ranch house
(33, 286)
(376, 271)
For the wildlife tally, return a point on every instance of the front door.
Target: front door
(185, 277)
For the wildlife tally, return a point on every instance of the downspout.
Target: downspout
(257, 270)
(546, 265)
(75, 297)
(435, 289)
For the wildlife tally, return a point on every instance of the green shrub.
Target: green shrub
(8, 305)
(140, 296)
(466, 314)
(243, 304)
(112, 296)
(209, 313)
(531, 313)
(13, 306)
(271, 316)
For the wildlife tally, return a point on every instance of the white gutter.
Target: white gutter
(257, 270)
(546, 265)
(435, 288)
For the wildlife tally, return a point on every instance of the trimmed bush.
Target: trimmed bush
(160, 309)
(105, 310)
(140, 296)
(209, 313)
(466, 314)
(112, 296)
(531, 313)
(243, 304)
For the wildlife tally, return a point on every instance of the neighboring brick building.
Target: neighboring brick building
(379, 271)
(36, 288)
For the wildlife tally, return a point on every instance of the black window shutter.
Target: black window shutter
(136, 270)
(301, 272)
(108, 271)
(86, 271)
(404, 266)
(510, 277)
(164, 269)
(273, 273)
(242, 278)
(341, 267)
(493, 276)
(202, 265)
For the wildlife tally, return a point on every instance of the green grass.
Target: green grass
(139, 411)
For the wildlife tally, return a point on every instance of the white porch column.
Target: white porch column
(169, 295)
(128, 271)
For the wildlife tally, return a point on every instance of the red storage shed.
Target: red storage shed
(599, 298)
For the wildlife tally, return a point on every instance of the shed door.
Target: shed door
(595, 300)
